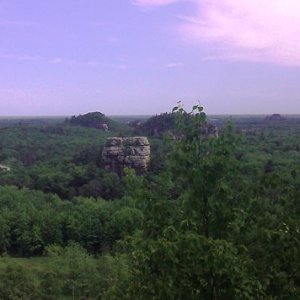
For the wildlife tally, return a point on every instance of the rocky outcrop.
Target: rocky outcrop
(103, 127)
(132, 152)
(4, 168)
(209, 130)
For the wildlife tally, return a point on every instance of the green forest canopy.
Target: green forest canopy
(218, 219)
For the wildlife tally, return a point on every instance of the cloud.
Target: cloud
(18, 23)
(92, 63)
(101, 24)
(122, 67)
(32, 58)
(21, 57)
(57, 60)
(174, 65)
(28, 58)
(113, 40)
(249, 30)
(151, 3)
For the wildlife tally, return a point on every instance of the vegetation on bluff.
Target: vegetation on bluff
(157, 125)
(94, 120)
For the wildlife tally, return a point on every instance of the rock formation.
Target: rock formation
(132, 152)
(103, 127)
(209, 130)
(4, 168)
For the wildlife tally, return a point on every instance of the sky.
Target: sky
(68, 57)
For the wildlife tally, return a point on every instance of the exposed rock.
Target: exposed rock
(103, 127)
(209, 130)
(4, 168)
(132, 152)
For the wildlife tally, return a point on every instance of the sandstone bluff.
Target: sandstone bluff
(132, 152)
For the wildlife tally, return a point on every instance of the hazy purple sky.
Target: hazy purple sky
(63, 57)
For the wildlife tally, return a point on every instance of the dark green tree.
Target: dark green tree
(184, 250)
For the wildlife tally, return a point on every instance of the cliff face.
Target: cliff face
(132, 152)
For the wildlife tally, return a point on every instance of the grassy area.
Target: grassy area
(33, 264)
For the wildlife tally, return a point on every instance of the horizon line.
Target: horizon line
(143, 115)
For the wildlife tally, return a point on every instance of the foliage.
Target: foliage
(157, 125)
(66, 162)
(93, 120)
(64, 273)
(16, 283)
(204, 236)
(31, 221)
(215, 218)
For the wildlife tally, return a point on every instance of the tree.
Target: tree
(16, 283)
(184, 250)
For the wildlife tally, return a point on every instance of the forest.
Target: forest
(215, 217)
